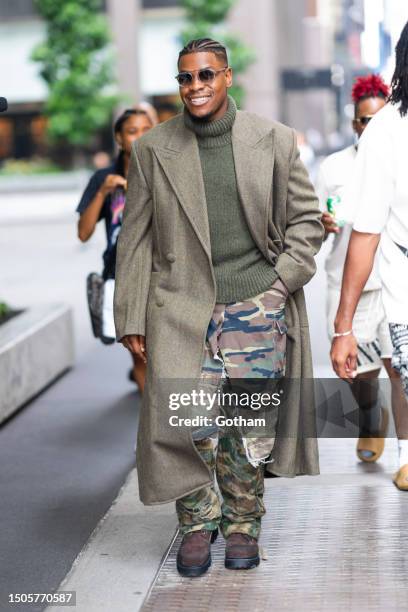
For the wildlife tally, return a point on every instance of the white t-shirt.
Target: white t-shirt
(380, 186)
(334, 174)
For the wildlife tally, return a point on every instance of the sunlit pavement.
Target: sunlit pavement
(332, 542)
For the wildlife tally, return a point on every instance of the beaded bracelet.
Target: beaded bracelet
(340, 335)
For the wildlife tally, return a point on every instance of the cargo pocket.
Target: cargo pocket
(279, 345)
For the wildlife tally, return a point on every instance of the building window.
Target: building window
(17, 8)
(159, 3)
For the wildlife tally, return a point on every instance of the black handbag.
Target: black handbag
(94, 292)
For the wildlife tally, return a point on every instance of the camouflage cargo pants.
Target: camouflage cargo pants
(244, 340)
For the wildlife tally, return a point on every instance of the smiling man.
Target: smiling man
(220, 230)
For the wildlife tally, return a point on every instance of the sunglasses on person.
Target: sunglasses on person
(205, 75)
(364, 121)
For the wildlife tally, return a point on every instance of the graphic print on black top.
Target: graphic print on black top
(111, 212)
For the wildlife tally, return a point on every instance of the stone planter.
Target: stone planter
(36, 347)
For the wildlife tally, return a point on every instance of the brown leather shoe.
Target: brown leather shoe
(241, 552)
(194, 554)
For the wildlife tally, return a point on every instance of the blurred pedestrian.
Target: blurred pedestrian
(100, 160)
(104, 198)
(370, 325)
(306, 152)
(213, 255)
(380, 191)
(150, 111)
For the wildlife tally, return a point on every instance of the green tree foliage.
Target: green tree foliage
(77, 68)
(205, 19)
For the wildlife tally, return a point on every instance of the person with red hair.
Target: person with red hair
(369, 95)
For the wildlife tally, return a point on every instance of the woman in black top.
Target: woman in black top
(104, 198)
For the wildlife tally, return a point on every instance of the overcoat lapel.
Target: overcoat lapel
(254, 156)
(180, 161)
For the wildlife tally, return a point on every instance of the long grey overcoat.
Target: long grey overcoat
(165, 287)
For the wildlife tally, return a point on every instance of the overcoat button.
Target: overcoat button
(171, 258)
(159, 302)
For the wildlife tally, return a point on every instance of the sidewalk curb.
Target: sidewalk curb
(116, 567)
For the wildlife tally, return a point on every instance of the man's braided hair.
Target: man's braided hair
(399, 83)
(205, 45)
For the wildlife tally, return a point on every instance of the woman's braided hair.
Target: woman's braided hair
(129, 112)
(399, 83)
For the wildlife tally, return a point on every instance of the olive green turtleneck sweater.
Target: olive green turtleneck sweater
(241, 271)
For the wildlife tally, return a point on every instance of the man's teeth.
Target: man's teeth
(199, 101)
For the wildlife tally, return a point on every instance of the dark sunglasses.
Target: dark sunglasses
(205, 75)
(364, 121)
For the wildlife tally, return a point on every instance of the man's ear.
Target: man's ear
(229, 77)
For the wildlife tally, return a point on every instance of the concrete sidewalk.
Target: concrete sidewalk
(329, 544)
(121, 559)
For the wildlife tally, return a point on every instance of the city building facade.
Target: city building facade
(307, 54)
